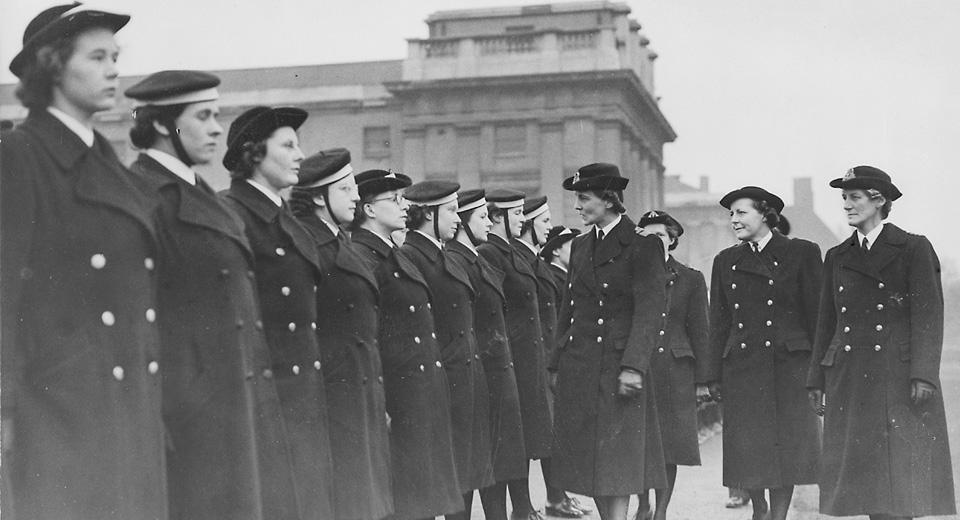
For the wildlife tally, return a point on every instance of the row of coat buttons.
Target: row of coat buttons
(294, 369)
(879, 286)
(843, 309)
(109, 319)
(766, 343)
(878, 328)
(99, 261)
(734, 286)
(848, 348)
(414, 309)
(734, 266)
(152, 368)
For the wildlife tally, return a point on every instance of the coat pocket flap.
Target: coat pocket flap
(798, 344)
(683, 352)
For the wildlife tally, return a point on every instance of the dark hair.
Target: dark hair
(417, 216)
(360, 216)
(526, 227)
(770, 214)
(614, 197)
(301, 202)
(251, 153)
(40, 74)
(144, 134)
(887, 204)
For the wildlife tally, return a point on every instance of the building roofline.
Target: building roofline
(502, 12)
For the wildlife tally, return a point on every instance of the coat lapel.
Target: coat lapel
(850, 256)
(611, 246)
(581, 267)
(746, 261)
(889, 246)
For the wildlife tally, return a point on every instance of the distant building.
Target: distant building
(514, 97)
(707, 227)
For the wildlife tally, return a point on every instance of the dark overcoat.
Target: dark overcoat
(881, 326)
(608, 444)
(506, 422)
(347, 317)
(453, 299)
(81, 379)
(679, 362)
(763, 310)
(285, 286)
(524, 332)
(547, 297)
(418, 398)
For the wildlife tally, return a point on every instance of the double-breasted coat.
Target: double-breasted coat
(418, 398)
(524, 332)
(287, 267)
(763, 310)
(880, 327)
(547, 297)
(679, 362)
(80, 345)
(506, 422)
(347, 318)
(453, 300)
(608, 444)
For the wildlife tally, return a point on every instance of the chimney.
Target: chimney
(705, 184)
(803, 193)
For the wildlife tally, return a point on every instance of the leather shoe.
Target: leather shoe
(566, 508)
(579, 505)
(736, 501)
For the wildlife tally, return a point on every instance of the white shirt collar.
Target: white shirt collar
(387, 240)
(871, 236)
(609, 227)
(530, 246)
(333, 229)
(276, 199)
(85, 134)
(434, 240)
(472, 249)
(558, 266)
(176, 166)
(762, 243)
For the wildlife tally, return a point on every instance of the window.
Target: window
(510, 140)
(376, 142)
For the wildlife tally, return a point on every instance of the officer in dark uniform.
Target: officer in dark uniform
(287, 269)
(432, 220)
(763, 309)
(418, 399)
(506, 424)
(877, 359)
(678, 366)
(524, 332)
(210, 405)
(82, 430)
(347, 318)
(608, 439)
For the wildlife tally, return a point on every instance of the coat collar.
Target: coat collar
(612, 244)
(888, 246)
(489, 274)
(423, 244)
(60, 142)
(455, 247)
(256, 202)
(367, 238)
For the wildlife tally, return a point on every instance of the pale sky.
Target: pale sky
(759, 91)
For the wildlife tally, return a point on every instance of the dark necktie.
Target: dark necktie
(864, 244)
(755, 247)
(600, 235)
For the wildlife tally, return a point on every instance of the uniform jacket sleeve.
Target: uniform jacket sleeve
(719, 323)
(648, 278)
(826, 324)
(926, 312)
(811, 273)
(698, 326)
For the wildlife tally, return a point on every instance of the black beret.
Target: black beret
(375, 182)
(58, 22)
(505, 198)
(556, 237)
(596, 176)
(257, 124)
(868, 177)
(175, 87)
(324, 167)
(754, 193)
(471, 199)
(660, 217)
(534, 206)
(432, 193)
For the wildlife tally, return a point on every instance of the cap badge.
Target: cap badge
(850, 175)
(576, 177)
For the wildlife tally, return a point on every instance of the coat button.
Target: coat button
(600, 303)
(769, 323)
(295, 369)
(880, 285)
(108, 318)
(770, 282)
(476, 356)
(439, 364)
(663, 315)
(775, 263)
(285, 290)
(313, 325)
(365, 379)
(292, 326)
(422, 367)
(527, 293)
(846, 348)
(433, 335)
(571, 302)
(733, 267)
(239, 324)
(846, 329)
(662, 333)
(98, 261)
(739, 325)
(380, 379)
(118, 373)
(879, 306)
(605, 285)
(396, 274)
(455, 305)
(743, 346)
(416, 339)
(549, 304)
(843, 309)
(769, 303)
(878, 348)
(148, 263)
(530, 319)
(280, 251)
(462, 333)
(736, 305)
(660, 350)
(250, 274)
(151, 315)
(314, 289)
(349, 306)
(600, 321)
(879, 327)
(224, 273)
(571, 338)
(840, 289)
(767, 343)
(599, 339)
(733, 286)
(267, 373)
(413, 309)
(670, 282)
(317, 365)
(153, 367)
(429, 306)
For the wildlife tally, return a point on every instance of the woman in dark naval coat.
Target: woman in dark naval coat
(608, 440)
(418, 399)
(876, 363)
(287, 268)
(506, 424)
(763, 310)
(347, 317)
(82, 428)
(679, 363)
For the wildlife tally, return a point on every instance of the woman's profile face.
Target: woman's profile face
(480, 224)
(89, 80)
(860, 207)
(280, 166)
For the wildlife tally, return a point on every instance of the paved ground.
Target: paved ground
(700, 495)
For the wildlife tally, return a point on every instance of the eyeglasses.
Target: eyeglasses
(397, 199)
